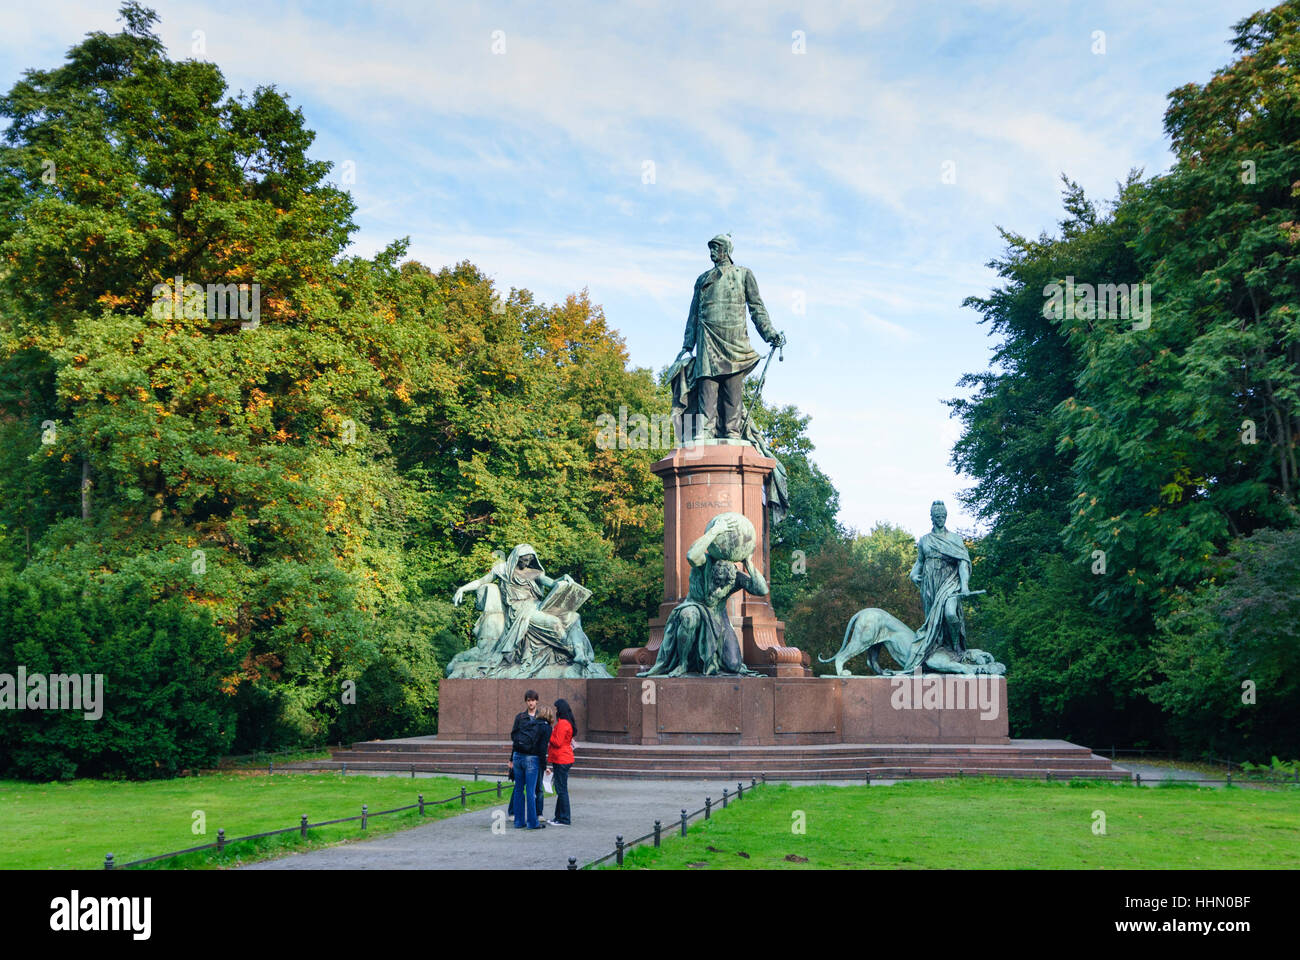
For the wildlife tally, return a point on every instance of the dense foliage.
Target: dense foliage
(158, 707)
(307, 483)
(252, 523)
(1140, 473)
(846, 575)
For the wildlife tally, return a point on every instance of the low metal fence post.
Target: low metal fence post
(740, 791)
(498, 789)
(221, 841)
(708, 806)
(476, 773)
(573, 863)
(412, 771)
(303, 826)
(462, 796)
(108, 861)
(724, 798)
(683, 821)
(365, 813)
(618, 849)
(658, 829)
(420, 799)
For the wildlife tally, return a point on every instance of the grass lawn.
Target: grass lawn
(999, 824)
(73, 824)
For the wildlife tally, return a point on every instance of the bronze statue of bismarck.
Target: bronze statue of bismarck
(718, 334)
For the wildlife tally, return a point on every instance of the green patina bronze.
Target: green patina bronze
(528, 626)
(708, 376)
(698, 637)
(716, 329)
(942, 572)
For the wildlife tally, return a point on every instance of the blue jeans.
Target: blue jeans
(561, 771)
(523, 799)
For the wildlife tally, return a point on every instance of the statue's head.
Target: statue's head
(938, 513)
(526, 556)
(720, 249)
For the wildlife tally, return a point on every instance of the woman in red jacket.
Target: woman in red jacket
(559, 759)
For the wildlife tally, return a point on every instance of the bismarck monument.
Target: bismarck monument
(719, 688)
(721, 466)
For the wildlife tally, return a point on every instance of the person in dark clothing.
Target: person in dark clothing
(524, 768)
(560, 759)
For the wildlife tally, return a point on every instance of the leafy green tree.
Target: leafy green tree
(847, 575)
(1184, 434)
(1073, 671)
(316, 478)
(811, 523)
(1230, 653)
(497, 432)
(1119, 461)
(225, 465)
(164, 668)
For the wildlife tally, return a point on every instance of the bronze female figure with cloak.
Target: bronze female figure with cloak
(541, 632)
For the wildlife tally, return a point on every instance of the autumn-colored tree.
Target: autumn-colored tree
(313, 480)
(223, 459)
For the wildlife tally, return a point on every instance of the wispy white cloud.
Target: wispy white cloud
(826, 165)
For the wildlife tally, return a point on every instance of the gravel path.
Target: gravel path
(602, 809)
(1153, 774)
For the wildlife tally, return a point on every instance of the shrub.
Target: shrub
(163, 663)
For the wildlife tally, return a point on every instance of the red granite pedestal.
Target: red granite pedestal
(825, 728)
(701, 482)
(742, 711)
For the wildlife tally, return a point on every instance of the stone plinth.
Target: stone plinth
(742, 711)
(932, 709)
(485, 708)
(701, 482)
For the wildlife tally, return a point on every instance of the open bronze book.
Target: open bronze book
(565, 597)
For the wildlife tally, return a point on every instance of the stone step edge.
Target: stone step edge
(695, 750)
(881, 772)
(401, 763)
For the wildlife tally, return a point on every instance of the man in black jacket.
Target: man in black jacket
(524, 767)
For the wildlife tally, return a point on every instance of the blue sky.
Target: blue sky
(827, 166)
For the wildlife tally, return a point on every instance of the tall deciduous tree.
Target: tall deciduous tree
(1119, 457)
